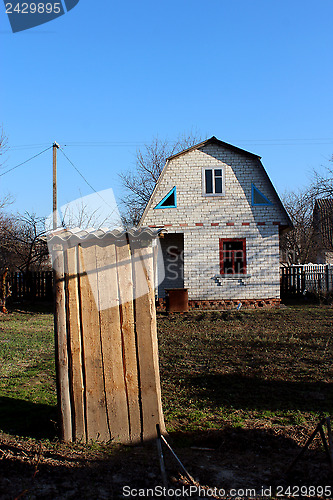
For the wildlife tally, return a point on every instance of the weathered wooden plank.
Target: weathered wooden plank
(60, 328)
(145, 318)
(75, 345)
(125, 281)
(112, 348)
(95, 401)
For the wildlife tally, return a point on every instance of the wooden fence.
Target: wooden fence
(106, 339)
(31, 286)
(314, 278)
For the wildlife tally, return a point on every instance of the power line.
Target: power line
(20, 147)
(315, 141)
(85, 180)
(104, 144)
(26, 161)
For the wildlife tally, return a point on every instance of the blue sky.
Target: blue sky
(257, 74)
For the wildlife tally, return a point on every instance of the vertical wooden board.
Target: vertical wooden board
(125, 281)
(145, 318)
(60, 327)
(75, 351)
(96, 418)
(111, 340)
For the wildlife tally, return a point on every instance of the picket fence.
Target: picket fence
(301, 279)
(31, 286)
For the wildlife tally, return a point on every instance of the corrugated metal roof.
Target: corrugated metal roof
(64, 235)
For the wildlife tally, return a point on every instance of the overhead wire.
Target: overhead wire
(315, 141)
(21, 147)
(24, 162)
(87, 182)
(70, 161)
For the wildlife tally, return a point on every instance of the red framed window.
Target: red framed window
(232, 256)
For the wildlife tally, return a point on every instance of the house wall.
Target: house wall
(204, 220)
(202, 266)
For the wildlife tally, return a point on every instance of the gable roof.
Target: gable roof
(214, 140)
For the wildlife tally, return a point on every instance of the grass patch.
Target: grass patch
(239, 369)
(226, 368)
(27, 374)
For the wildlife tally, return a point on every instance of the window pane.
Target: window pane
(218, 184)
(209, 181)
(218, 172)
(233, 245)
(169, 201)
(233, 257)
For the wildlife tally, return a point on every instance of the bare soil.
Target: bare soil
(241, 395)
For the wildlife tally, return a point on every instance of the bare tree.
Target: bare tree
(3, 145)
(298, 246)
(150, 161)
(322, 182)
(80, 216)
(23, 245)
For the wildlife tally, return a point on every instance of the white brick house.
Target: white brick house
(223, 219)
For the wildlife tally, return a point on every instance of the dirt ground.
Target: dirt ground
(241, 392)
(243, 463)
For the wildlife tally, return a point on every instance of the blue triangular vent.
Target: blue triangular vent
(259, 199)
(169, 200)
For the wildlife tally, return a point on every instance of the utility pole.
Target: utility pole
(55, 221)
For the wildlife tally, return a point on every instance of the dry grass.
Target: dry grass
(250, 386)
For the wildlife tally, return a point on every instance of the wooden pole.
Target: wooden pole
(55, 221)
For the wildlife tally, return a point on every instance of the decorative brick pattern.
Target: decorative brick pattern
(225, 304)
(203, 220)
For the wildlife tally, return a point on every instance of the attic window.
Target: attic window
(259, 199)
(169, 200)
(213, 181)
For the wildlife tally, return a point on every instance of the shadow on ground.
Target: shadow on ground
(241, 392)
(230, 458)
(24, 418)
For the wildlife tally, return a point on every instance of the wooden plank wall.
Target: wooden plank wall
(106, 341)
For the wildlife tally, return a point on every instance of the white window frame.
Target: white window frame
(204, 181)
